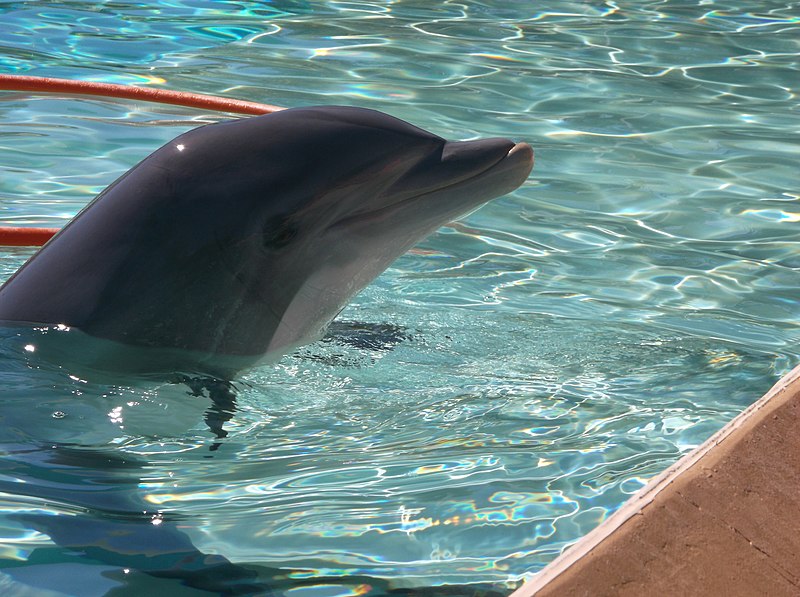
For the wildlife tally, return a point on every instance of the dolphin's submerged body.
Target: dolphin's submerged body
(234, 242)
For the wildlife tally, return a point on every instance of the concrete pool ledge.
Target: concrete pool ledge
(723, 520)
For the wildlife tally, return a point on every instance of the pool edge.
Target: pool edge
(608, 559)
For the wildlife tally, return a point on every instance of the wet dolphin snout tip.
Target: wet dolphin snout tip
(521, 157)
(522, 151)
(514, 168)
(516, 163)
(477, 153)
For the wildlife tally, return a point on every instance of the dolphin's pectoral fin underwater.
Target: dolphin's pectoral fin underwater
(240, 241)
(113, 524)
(163, 551)
(222, 395)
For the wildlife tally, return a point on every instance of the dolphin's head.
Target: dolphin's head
(247, 237)
(341, 196)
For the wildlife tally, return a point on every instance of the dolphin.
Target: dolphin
(232, 243)
(244, 239)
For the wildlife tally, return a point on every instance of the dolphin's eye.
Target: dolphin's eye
(279, 232)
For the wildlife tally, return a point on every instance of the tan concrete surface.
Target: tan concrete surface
(724, 520)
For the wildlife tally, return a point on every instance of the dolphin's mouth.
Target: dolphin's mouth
(501, 173)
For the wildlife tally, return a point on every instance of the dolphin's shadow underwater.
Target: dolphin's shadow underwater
(234, 243)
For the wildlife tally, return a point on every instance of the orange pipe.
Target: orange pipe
(13, 236)
(30, 237)
(161, 96)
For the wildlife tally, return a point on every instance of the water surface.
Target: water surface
(561, 345)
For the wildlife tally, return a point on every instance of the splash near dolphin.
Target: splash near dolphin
(234, 242)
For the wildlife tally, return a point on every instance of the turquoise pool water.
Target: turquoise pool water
(560, 346)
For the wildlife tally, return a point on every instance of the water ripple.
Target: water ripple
(565, 343)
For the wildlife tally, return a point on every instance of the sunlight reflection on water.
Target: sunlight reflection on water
(565, 343)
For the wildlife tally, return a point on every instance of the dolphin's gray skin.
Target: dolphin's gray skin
(247, 237)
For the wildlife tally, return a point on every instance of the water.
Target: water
(560, 346)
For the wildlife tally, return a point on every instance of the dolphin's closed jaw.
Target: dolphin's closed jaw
(470, 165)
(459, 162)
(475, 156)
(468, 160)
